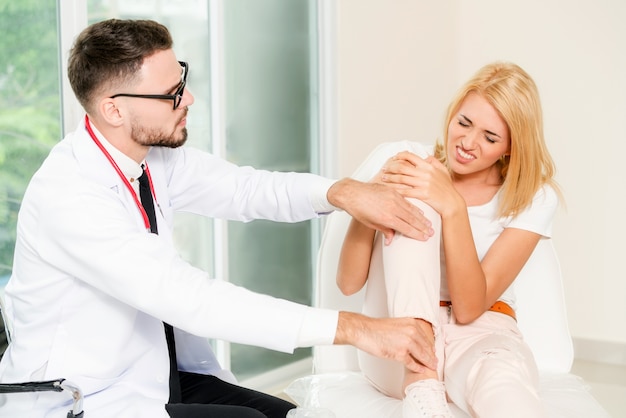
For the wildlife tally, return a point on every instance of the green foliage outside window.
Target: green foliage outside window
(30, 114)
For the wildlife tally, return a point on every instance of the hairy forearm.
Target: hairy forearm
(349, 328)
(399, 339)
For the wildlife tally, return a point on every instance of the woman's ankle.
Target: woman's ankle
(412, 377)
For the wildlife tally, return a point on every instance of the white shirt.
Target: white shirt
(91, 288)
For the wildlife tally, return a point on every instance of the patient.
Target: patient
(489, 191)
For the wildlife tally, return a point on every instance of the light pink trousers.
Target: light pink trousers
(488, 369)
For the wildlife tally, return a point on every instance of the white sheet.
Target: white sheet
(349, 395)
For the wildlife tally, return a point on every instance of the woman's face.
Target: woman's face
(477, 137)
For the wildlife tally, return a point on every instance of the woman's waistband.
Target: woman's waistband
(499, 306)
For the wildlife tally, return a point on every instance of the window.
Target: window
(268, 122)
(30, 107)
(253, 77)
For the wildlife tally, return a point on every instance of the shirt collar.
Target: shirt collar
(127, 165)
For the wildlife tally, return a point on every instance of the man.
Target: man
(98, 291)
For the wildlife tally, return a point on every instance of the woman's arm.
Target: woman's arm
(506, 255)
(474, 285)
(354, 259)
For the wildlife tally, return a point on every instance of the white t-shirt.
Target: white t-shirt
(486, 228)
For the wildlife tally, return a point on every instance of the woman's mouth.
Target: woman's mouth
(464, 156)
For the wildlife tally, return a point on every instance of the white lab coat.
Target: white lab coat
(91, 288)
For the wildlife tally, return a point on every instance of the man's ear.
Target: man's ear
(110, 112)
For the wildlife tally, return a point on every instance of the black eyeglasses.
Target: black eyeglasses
(177, 97)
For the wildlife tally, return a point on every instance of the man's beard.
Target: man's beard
(154, 137)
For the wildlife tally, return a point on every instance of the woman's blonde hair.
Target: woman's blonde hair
(514, 95)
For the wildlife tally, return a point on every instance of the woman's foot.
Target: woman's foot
(426, 399)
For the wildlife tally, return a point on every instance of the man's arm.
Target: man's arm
(380, 207)
(398, 339)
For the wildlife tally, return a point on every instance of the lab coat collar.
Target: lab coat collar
(93, 163)
(129, 167)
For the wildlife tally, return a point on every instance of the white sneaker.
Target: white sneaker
(426, 399)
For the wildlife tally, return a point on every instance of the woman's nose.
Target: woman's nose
(469, 141)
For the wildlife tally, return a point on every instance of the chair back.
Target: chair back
(4, 331)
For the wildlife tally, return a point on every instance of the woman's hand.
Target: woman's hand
(381, 208)
(425, 179)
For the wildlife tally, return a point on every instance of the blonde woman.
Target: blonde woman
(488, 189)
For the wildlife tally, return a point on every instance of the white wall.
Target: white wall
(399, 62)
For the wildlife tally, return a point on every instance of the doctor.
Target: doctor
(97, 282)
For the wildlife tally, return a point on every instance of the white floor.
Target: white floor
(608, 384)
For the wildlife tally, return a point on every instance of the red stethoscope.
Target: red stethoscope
(122, 176)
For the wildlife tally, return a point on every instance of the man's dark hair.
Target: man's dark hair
(108, 55)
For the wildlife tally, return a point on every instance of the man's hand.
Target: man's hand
(399, 339)
(380, 207)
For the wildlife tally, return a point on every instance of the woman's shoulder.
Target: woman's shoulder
(546, 196)
(539, 215)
